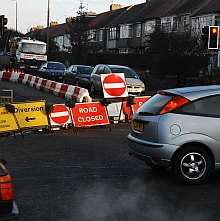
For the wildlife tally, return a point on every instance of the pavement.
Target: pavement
(87, 175)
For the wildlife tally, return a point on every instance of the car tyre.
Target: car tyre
(193, 165)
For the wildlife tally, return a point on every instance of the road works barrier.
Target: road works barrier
(38, 114)
(53, 87)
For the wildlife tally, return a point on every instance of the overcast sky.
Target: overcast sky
(34, 12)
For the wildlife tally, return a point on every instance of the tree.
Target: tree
(4, 41)
(79, 36)
(177, 54)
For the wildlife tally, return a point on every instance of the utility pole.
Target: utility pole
(16, 22)
(16, 15)
(48, 24)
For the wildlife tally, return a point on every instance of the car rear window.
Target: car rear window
(57, 66)
(85, 70)
(208, 106)
(154, 105)
(129, 73)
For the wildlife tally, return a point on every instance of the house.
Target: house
(98, 32)
(126, 31)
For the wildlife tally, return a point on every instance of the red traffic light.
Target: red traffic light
(213, 40)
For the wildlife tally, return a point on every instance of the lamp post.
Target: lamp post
(16, 15)
(48, 24)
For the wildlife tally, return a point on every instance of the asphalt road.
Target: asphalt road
(89, 176)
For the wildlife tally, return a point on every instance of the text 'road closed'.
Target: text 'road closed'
(89, 114)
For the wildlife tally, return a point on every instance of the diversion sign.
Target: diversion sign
(7, 121)
(31, 114)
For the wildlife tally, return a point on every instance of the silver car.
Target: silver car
(134, 85)
(179, 128)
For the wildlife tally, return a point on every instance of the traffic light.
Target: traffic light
(213, 37)
(3, 23)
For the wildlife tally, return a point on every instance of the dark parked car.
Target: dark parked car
(78, 75)
(8, 207)
(52, 70)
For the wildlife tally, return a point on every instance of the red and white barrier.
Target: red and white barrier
(56, 88)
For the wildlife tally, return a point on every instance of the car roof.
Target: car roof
(195, 92)
(55, 62)
(79, 65)
(113, 66)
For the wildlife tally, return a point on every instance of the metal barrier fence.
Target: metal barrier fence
(6, 96)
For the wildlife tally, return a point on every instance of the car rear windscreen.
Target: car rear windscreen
(129, 73)
(85, 70)
(154, 105)
(56, 66)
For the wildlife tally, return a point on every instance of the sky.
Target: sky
(34, 12)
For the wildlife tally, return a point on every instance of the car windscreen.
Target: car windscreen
(56, 66)
(154, 105)
(129, 73)
(85, 70)
(33, 48)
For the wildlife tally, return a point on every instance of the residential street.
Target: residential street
(83, 81)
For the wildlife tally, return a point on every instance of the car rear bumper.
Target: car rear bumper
(156, 153)
(13, 215)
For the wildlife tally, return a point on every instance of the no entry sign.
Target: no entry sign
(89, 114)
(60, 115)
(114, 85)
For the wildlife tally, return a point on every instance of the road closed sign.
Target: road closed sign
(89, 114)
(7, 121)
(31, 114)
(114, 85)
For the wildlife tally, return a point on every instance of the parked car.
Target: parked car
(78, 75)
(134, 84)
(179, 128)
(52, 70)
(8, 208)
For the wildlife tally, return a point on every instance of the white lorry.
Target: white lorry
(28, 54)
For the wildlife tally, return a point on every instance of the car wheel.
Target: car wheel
(193, 165)
(155, 167)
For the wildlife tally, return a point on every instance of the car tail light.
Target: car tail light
(174, 103)
(6, 187)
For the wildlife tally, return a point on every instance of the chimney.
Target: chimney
(115, 6)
